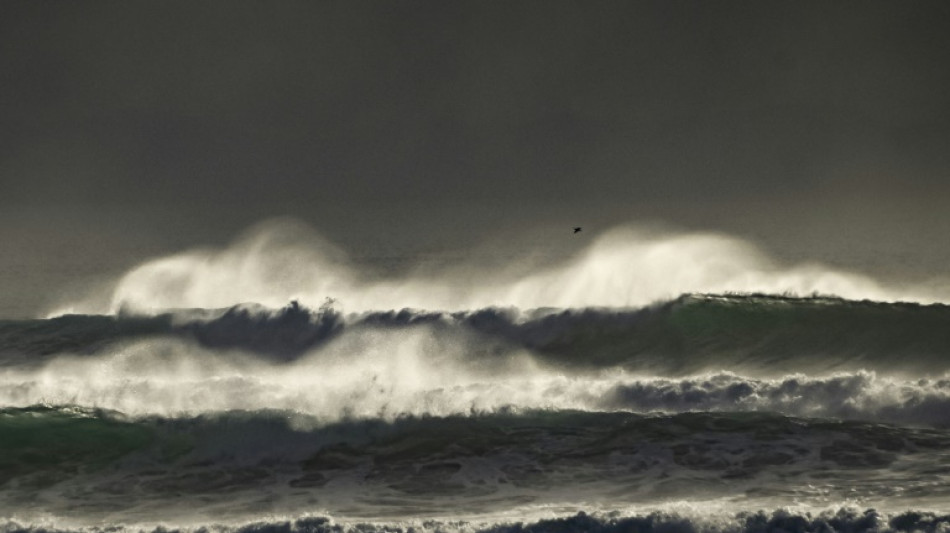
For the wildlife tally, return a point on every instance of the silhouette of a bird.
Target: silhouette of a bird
(577, 229)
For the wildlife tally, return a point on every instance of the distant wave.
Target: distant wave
(282, 260)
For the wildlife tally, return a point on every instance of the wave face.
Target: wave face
(692, 333)
(648, 383)
(57, 459)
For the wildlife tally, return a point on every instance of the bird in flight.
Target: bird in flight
(577, 229)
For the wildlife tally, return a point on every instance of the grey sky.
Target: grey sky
(131, 128)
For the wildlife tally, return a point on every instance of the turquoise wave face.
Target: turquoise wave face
(43, 445)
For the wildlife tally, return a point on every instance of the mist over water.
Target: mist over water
(281, 260)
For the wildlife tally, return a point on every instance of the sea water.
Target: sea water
(642, 383)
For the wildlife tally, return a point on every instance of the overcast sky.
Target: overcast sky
(128, 128)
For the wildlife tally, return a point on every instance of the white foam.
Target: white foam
(362, 374)
(384, 373)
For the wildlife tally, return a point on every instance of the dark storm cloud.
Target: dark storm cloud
(310, 103)
(132, 128)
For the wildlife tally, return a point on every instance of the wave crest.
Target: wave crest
(279, 261)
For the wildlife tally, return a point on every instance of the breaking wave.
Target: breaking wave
(816, 357)
(282, 260)
(380, 375)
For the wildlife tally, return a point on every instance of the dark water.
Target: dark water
(704, 413)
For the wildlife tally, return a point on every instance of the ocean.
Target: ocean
(668, 383)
